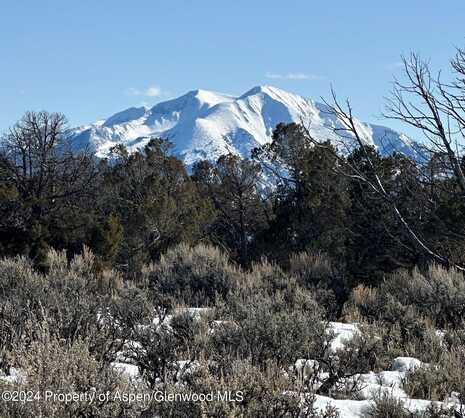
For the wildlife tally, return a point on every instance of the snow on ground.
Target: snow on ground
(404, 364)
(347, 408)
(372, 385)
(15, 376)
(388, 382)
(343, 332)
(129, 370)
(194, 313)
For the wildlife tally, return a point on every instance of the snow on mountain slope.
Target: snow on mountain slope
(205, 125)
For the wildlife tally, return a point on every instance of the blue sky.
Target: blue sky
(89, 59)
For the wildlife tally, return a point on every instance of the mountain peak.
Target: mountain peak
(208, 96)
(265, 89)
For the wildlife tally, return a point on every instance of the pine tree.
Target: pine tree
(378, 243)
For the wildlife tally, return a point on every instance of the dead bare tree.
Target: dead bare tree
(434, 107)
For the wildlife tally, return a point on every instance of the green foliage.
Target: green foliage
(107, 237)
(135, 207)
(157, 203)
(46, 188)
(335, 245)
(378, 243)
(309, 206)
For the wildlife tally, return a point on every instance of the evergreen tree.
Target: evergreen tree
(310, 203)
(106, 238)
(232, 185)
(378, 243)
(445, 225)
(155, 200)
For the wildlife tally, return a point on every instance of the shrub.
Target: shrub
(258, 393)
(413, 298)
(259, 330)
(438, 411)
(196, 275)
(164, 347)
(438, 293)
(315, 271)
(268, 316)
(393, 341)
(72, 298)
(58, 366)
(21, 290)
(273, 282)
(386, 406)
(342, 367)
(363, 303)
(438, 381)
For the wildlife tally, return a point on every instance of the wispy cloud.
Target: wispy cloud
(293, 76)
(395, 65)
(152, 91)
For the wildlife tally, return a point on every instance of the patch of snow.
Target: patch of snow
(347, 408)
(195, 313)
(343, 333)
(405, 364)
(15, 376)
(383, 383)
(129, 370)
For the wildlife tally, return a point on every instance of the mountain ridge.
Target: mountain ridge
(204, 124)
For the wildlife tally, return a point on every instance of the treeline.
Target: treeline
(131, 208)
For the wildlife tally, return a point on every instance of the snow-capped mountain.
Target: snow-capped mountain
(205, 125)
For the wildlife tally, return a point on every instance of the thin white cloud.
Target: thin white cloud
(395, 65)
(152, 91)
(293, 76)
